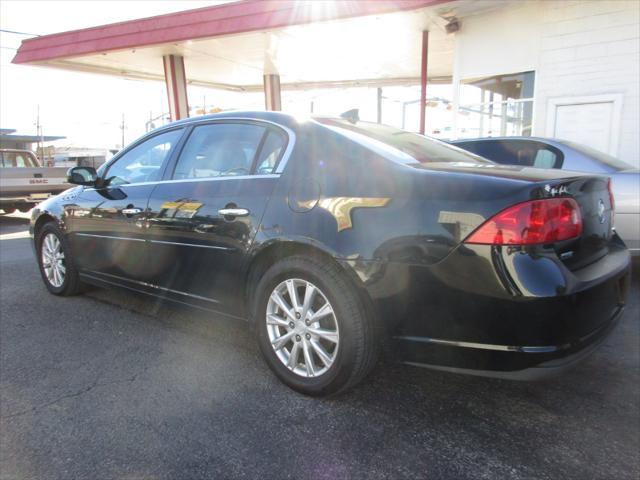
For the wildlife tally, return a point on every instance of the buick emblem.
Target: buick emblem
(601, 209)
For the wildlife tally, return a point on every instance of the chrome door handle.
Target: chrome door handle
(233, 212)
(131, 211)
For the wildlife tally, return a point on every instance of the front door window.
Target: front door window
(143, 163)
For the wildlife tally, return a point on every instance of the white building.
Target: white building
(577, 63)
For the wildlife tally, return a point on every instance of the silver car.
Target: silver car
(553, 153)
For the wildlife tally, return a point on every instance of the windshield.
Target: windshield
(418, 147)
(601, 157)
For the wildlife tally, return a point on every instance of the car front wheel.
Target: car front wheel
(312, 326)
(56, 265)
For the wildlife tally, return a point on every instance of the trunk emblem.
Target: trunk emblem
(601, 209)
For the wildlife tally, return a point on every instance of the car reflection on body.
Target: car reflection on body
(332, 236)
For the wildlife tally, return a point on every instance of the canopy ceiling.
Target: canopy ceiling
(310, 44)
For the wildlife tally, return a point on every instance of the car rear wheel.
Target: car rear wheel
(56, 264)
(312, 327)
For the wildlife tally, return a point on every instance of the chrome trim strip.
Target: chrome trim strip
(163, 242)
(110, 237)
(189, 245)
(482, 346)
(151, 285)
(191, 180)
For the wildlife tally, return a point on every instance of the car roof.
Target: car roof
(276, 117)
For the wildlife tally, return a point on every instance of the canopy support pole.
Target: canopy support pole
(272, 99)
(423, 80)
(176, 82)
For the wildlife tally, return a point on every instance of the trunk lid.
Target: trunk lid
(589, 191)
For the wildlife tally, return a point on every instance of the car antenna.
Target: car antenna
(351, 115)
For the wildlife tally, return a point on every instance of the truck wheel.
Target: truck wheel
(56, 261)
(312, 327)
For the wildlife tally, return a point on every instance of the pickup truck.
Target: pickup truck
(24, 182)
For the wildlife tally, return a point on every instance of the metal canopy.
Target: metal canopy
(308, 43)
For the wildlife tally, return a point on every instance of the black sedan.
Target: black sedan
(332, 237)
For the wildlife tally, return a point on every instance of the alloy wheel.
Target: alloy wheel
(302, 327)
(53, 261)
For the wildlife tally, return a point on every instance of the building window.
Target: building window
(496, 106)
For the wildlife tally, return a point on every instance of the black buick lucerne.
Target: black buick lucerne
(332, 237)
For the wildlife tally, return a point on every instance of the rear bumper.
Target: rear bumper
(547, 362)
(510, 313)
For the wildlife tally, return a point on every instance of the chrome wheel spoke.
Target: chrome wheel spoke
(292, 362)
(284, 306)
(321, 352)
(282, 340)
(329, 335)
(309, 296)
(293, 294)
(273, 319)
(47, 244)
(325, 310)
(308, 359)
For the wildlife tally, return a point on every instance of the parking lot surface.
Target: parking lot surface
(112, 385)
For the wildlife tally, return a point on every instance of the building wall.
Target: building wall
(504, 40)
(576, 47)
(592, 48)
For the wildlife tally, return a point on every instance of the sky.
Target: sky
(88, 109)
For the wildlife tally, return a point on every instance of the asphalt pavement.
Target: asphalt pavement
(109, 385)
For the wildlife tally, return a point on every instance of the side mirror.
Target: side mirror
(82, 176)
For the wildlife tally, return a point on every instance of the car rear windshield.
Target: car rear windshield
(422, 149)
(599, 156)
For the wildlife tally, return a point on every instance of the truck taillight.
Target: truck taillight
(534, 222)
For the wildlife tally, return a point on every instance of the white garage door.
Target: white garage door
(593, 121)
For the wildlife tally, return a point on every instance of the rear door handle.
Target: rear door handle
(131, 211)
(233, 212)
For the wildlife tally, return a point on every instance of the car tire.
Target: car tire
(338, 366)
(53, 251)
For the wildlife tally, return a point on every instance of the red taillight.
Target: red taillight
(537, 221)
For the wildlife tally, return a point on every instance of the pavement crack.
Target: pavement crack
(78, 393)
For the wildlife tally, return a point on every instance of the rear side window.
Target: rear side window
(270, 153)
(219, 150)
